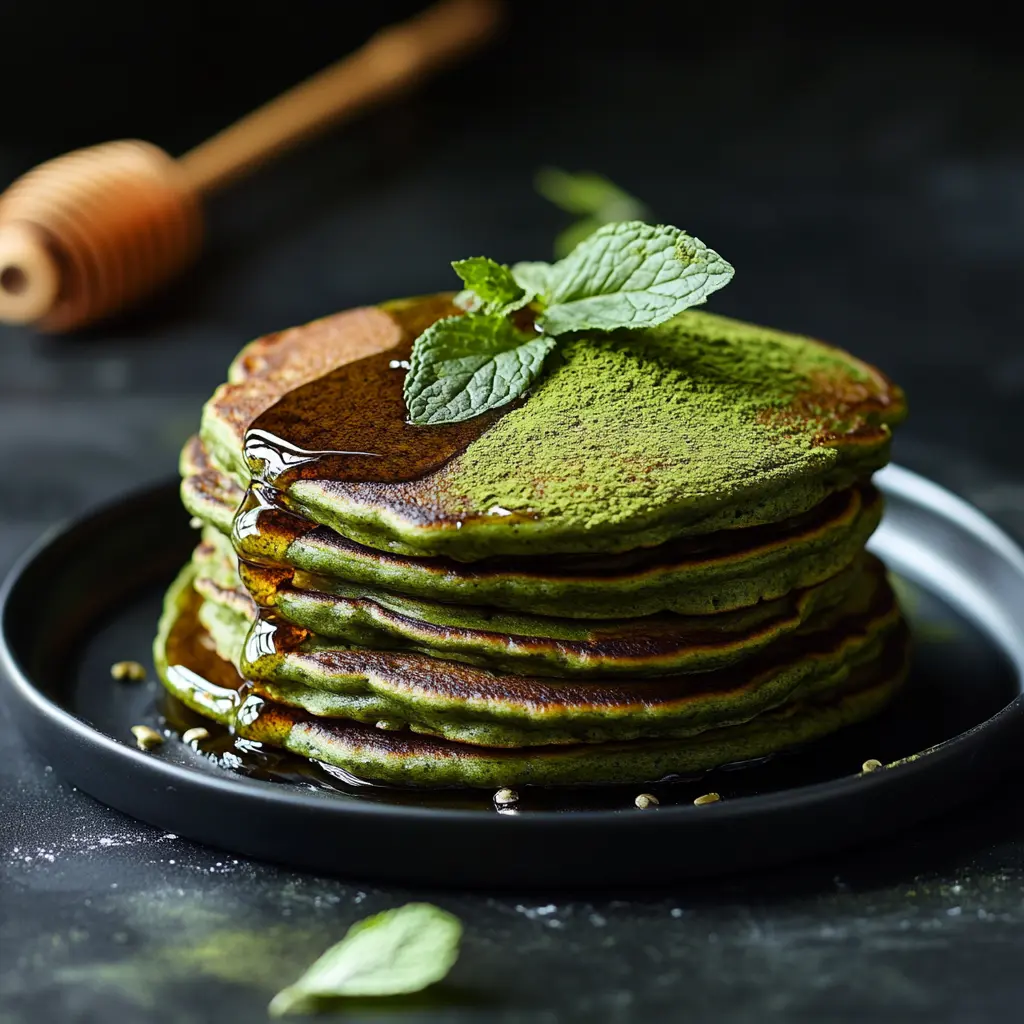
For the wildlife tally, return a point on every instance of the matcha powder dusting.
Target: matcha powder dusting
(633, 422)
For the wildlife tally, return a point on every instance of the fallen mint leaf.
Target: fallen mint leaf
(393, 953)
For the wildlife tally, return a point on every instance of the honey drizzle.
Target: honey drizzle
(350, 426)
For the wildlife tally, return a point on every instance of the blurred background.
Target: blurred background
(863, 170)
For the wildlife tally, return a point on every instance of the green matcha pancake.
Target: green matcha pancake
(468, 704)
(691, 576)
(654, 645)
(411, 759)
(631, 438)
(385, 750)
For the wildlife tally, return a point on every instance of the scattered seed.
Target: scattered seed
(707, 798)
(146, 738)
(645, 800)
(506, 796)
(196, 523)
(131, 671)
(389, 724)
(871, 765)
(195, 735)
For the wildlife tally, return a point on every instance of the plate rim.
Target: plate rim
(894, 479)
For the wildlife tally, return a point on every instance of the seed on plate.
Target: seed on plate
(146, 738)
(195, 735)
(389, 724)
(871, 765)
(707, 798)
(130, 671)
(506, 796)
(645, 800)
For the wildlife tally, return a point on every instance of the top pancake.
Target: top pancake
(628, 440)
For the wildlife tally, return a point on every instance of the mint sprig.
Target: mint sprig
(625, 275)
(389, 954)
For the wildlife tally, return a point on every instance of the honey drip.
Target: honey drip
(349, 425)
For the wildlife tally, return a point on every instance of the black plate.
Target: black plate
(89, 595)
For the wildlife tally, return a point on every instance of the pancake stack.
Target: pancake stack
(651, 566)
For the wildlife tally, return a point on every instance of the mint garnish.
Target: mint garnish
(389, 954)
(624, 275)
(592, 198)
(465, 365)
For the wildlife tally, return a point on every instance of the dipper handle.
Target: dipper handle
(389, 62)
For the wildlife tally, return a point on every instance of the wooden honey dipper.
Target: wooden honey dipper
(88, 233)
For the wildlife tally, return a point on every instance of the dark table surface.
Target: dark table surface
(872, 195)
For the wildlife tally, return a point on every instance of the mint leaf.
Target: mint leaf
(631, 275)
(493, 283)
(587, 194)
(532, 276)
(392, 953)
(465, 365)
(592, 197)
